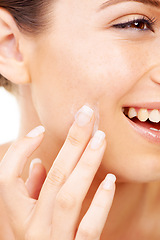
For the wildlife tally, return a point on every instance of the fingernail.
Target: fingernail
(97, 139)
(109, 181)
(36, 132)
(34, 161)
(83, 116)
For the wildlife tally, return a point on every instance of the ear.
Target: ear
(12, 64)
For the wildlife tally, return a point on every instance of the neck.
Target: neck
(29, 120)
(125, 208)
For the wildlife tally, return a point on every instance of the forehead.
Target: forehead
(154, 3)
(86, 6)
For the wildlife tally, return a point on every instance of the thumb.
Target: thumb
(37, 175)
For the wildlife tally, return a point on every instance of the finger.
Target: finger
(11, 186)
(69, 199)
(37, 175)
(93, 222)
(76, 141)
(14, 161)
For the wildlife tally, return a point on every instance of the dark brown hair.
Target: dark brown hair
(30, 17)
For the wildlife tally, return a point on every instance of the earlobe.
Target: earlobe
(12, 65)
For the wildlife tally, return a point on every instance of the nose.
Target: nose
(155, 74)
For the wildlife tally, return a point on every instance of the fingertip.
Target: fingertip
(37, 131)
(33, 164)
(37, 176)
(109, 182)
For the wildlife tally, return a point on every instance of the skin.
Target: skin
(113, 62)
(83, 59)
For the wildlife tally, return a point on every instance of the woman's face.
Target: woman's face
(91, 55)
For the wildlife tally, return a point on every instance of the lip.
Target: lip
(149, 105)
(148, 134)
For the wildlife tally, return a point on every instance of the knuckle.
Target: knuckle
(88, 164)
(88, 233)
(89, 167)
(65, 201)
(15, 146)
(56, 177)
(73, 140)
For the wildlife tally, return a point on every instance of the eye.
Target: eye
(141, 24)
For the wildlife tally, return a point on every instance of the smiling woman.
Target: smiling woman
(86, 73)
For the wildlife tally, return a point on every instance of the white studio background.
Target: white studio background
(9, 117)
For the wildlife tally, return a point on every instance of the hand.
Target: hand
(37, 175)
(56, 212)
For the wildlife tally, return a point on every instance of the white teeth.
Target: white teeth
(132, 113)
(154, 116)
(143, 115)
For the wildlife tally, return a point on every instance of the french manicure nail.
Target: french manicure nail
(97, 139)
(109, 181)
(84, 116)
(36, 132)
(34, 161)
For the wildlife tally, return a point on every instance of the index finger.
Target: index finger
(74, 146)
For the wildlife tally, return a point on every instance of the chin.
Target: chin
(140, 168)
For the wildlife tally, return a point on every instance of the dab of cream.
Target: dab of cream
(96, 111)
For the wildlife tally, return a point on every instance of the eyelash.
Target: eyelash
(137, 24)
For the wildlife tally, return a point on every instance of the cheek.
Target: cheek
(79, 69)
(75, 73)
(65, 81)
(72, 73)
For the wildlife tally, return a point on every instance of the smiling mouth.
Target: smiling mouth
(145, 121)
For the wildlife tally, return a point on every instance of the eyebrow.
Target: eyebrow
(108, 3)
